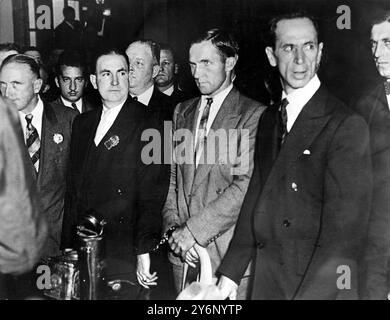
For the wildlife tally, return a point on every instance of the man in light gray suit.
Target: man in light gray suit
(206, 192)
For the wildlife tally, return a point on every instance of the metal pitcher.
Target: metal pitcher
(90, 233)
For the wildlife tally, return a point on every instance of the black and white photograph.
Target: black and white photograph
(219, 150)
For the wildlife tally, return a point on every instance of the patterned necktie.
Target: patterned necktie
(74, 106)
(283, 120)
(32, 141)
(202, 128)
(387, 87)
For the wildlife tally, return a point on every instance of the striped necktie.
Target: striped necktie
(32, 141)
(202, 128)
(283, 122)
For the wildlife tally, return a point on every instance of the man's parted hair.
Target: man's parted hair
(106, 52)
(23, 59)
(222, 40)
(154, 48)
(71, 58)
(380, 16)
(273, 23)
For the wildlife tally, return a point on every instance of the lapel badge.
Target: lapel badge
(306, 152)
(112, 142)
(58, 138)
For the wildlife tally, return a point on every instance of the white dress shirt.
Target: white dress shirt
(169, 91)
(79, 104)
(218, 99)
(36, 121)
(298, 99)
(388, 97)
(145, 97)
(106, 120)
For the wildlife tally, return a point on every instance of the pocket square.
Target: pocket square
(112, 142)
(306, 152)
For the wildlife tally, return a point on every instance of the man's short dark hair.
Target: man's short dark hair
(380, 16)
(154, 48)
(71, 58)
(222, 40)
(22, 59)
(106, 52)
(167, 47)
(273, 23)
(8, 46)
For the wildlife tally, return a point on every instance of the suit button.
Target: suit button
(260, 245)
(294, 186)
(119, 191)
(121, 219)
(219, 191)
(286, 223)
(189, 195)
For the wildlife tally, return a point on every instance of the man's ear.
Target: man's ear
(156, 70)
(92, 78)
(57, 81)
(319, 55)
(230, 63)
(37, 84)
(271, 56)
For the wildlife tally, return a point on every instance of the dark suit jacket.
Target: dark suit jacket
(86, 105)
(117, 184)
(162, 105)
(375, 110)
(51, 179)
(178, 96)
(23, 228)
(305, 213)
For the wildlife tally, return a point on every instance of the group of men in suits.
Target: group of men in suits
(293, 205)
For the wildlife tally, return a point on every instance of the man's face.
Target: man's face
(19, 84)
(380, 48)
(111, 79)
(5, 54)
(142, 70)
(167, 72)
(71, 82)
(297, 53)
(208, 68)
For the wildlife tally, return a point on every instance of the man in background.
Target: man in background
(166, 79)
(72, 79)
(374, 107)
(144, 57)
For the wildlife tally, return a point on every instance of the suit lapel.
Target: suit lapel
(307, 126)
(189, 122)
(49, 128)
(227, 118)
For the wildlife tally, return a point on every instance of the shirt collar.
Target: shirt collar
(145, 96)
(302, 95)
(79, 103)
(37, 111)
(219, 97)
(113, 110)
(169, 91)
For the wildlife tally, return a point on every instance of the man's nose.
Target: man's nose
(72, 85)
(114, 80)
(6, 91)
(299, 55)
(196, 71)
(378, 50)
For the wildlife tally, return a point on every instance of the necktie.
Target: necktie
(283, 120)
(202, 128)
(135, 98)
(75, 107)
(32, 141)
(387, 87)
